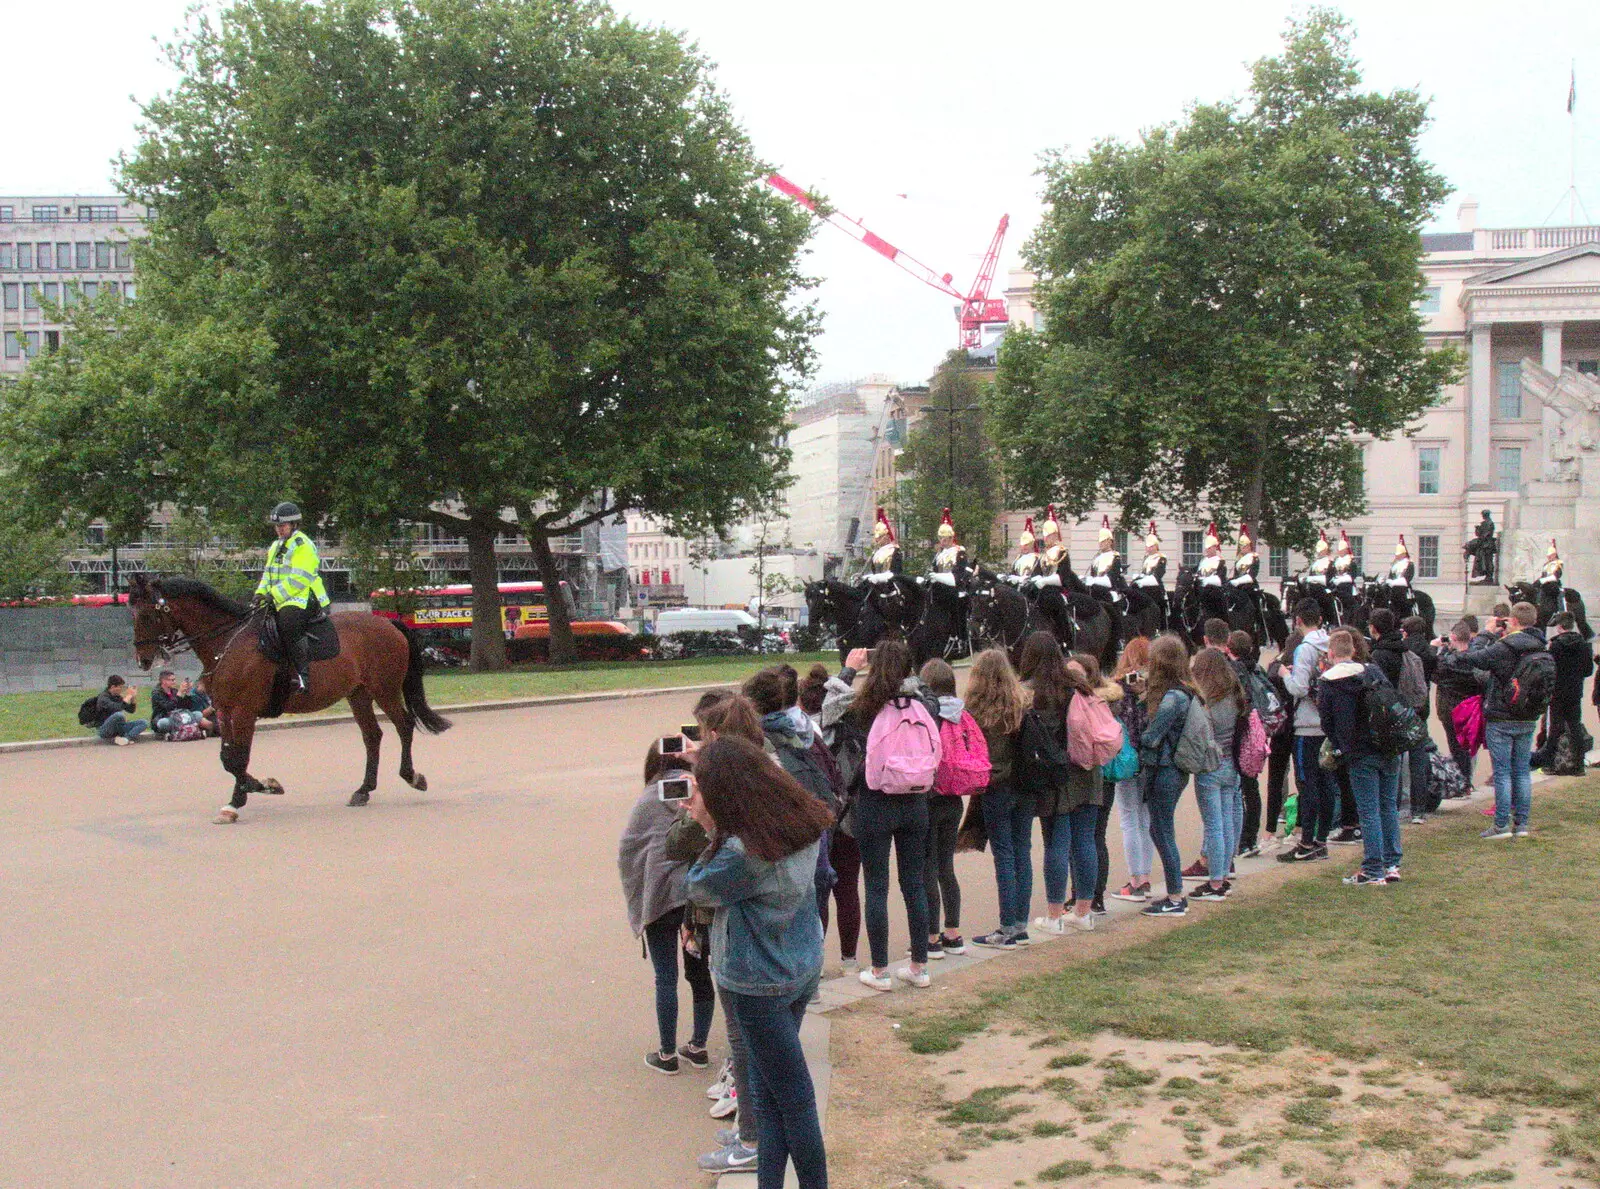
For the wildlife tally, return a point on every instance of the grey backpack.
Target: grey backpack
(1197, 749)
(1413, 683)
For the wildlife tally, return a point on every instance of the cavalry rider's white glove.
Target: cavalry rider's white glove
(1399, 582)
(1048, 580)
(880, 578)
(1210, 580)
(1242, 580)
(943, 579)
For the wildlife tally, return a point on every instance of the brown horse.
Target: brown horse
(378, 661)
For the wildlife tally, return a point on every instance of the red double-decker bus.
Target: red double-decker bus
(442, 618)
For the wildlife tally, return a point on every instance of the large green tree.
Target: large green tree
(489, 264)
(1228, 302)
(950, 462)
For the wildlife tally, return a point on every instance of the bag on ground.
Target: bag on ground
(186, 733)
(1445, 778)
(903, 750)
(1197, 749)
(964, 758)
(1254, 744)
(1094, 736)
(1396, 728)
(1413, 683)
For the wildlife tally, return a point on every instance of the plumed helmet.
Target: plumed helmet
(1212, 541)
(1050, 527)
(1551, 554)
(1152, 540)
(1105, 531)
(1322, 542)
(1400, 549)
(285, 513)
(1344, 541)
(1246, 544)
(881, 531)
(1025, 541)
(947, 530)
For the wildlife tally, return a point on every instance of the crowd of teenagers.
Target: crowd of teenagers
(784, 799)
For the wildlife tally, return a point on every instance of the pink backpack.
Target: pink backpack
(903, 750)
(964, 767)
(1094, 736)
(1253, 744)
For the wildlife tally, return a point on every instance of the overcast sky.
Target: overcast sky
(926, 118)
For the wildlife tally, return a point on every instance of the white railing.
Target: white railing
(1565, 237)
(1520, 241)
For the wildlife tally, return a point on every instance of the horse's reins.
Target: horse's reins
(174, 642)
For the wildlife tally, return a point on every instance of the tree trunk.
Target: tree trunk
(563, 650)
(488, 624)
(1255, 491)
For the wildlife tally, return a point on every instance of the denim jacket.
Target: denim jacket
(766, 937)
(1160, 738)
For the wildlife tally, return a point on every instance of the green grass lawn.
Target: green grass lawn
(54, 714)
(1481, 964)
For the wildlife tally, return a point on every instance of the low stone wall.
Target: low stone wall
(45, 648)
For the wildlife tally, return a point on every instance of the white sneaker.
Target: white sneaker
(120, 740)
(1084, 923)
(878, 982)
(917, 978)
(1055, 925)
(724, 1082)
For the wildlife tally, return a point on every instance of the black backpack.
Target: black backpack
(804, 767)
(89, 712)
(1395, 727)
(850, 752)
(1527, 695)
(1041, 765)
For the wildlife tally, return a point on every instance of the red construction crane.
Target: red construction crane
(977, 308)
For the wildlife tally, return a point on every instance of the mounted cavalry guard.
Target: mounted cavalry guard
(291, 587)
(1549, 579)
(1105, 578)
(1210, 575)
(1246, 567)
(1054, 564)
(952, 573)
(1402, 570)
(1028, 563)
(1316, 581)
(1150, 581)
(1346, 578)
(884, 565)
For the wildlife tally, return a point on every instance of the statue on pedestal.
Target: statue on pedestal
(1482, 552)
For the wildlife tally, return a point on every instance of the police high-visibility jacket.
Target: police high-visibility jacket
(291, 577)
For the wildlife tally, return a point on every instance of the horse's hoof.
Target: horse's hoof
(358, 798)
(418, 781)
(272, 786)
(226, 816)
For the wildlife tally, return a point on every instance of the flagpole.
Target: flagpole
(1572, 153)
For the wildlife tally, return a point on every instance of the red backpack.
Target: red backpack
(964, 758)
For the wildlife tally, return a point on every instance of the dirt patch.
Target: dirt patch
(1014, 1108)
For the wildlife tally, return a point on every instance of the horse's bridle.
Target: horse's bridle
(169, 643)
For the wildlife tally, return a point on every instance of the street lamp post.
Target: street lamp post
(950, 441)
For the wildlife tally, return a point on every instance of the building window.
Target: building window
(8, 256)
(1277, 561)
(8, 214)
(97, 214)
(63, 255)
(95, 534)
(1193, 547)
(114, 288)
(52, 340)
(1358, 554)
(1119, 542)
(69, 295)
(82, 255)
(30, 295)
(46, 257)
(128, 293)
(1508, 468)
(13, 350)
(1429, 303)
(52, 292)
(102, 254)
(91, 290)
(13, 295)
(25, 257)
(1428, 469)
(124, 256)
(1428, 556)
(46, 214)
(1510, 391)
(30, 342)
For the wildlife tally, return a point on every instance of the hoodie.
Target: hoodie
(1388, 653)
(1300, 679)
(951, 708)
(1339, 708)
(1500, 660)
(1573, 663)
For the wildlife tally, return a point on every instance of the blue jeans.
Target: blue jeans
(1511, 748)
(1375, 784)
(1009, 821)
(781, 1092)
(1162, 788)
(1069, 849)
(1221, 803)
(661, 937)
(881, 819)
(120, 724)
(1319, 791)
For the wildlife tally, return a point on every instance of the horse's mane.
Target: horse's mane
(193, 588)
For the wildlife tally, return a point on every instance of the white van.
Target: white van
(693, 620)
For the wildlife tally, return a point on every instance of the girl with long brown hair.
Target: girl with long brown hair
(1085, 670)
(1166, 698)
(997, 702)
(1134, 815)
(766, 937)
(1219, 794)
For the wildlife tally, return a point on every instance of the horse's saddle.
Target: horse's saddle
(320, 634)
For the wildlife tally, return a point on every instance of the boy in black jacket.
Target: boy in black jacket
(1573, 665)
(1374, 778)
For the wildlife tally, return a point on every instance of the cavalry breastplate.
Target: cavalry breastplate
(946, 560)
(1341, 570)
(1103, 562)
(1209, 566)
(1401, 572)
(883, 559)
(1551, 572)
(1054, 554)
(1153, 563)
(1026, 565)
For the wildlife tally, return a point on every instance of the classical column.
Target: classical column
(1548, 419)
(1480, 392)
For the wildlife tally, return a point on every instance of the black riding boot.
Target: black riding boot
(292, 631)
(300, 654)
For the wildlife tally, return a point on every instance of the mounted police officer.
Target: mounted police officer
(1402, 570)
(1150, 581)
(1211, 574)
(952, 573)
(291, 587)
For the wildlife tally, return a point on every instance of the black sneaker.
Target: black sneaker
(664, 1065)
(698, 1058)
(935, 949)
(1020, 937)
(998, 940)
(953, 945)
(1099, 909)
(1207, 892)
(1167, 908)
(1303, 854)
(1346, 836)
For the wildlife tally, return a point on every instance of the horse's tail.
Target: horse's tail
(416, 697)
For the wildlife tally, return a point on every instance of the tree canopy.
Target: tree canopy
(1227, 302)
(950, 467)
(433, 260)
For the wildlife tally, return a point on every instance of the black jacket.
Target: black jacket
(1573, 663)
(162, 704)
(1339, 701)
(108, 704)
(1417, 642)
(1500, 659)
(1389, 655)
(1456, 679)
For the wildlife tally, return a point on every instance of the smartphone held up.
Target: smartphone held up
(674, 788)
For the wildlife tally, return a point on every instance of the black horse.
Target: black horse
(939, 630)
(1402, 602)
(1263, 620)
(1003, 616)
(855, 621)
(1539, 594)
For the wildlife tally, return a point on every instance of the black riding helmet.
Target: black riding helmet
(285, 513)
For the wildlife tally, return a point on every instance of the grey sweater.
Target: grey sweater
(652, 883)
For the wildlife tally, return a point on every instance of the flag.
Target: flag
(1572, 91)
